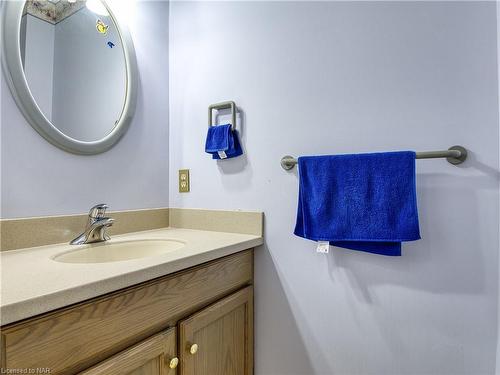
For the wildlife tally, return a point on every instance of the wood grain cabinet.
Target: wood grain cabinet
(219, 339)
(154, 356)
(195, 322)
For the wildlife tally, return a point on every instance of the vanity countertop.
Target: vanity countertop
(33, 283)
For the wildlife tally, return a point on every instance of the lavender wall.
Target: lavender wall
(87, 74)
(38, 60)
(311, 78)
(335, 77)
(40, 179)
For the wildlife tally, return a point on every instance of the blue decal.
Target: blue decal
(111, 44)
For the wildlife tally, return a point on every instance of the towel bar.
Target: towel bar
(454, 155)
(223, 105)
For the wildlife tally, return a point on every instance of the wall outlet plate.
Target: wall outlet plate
(183, 180)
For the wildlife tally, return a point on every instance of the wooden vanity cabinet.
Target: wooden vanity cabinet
(156, 355)
(218, 340)
(198, 321)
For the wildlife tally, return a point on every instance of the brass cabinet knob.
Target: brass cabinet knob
(193, 349)
(173, 362)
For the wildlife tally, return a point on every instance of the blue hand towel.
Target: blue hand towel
(361, 202)
(222, 139)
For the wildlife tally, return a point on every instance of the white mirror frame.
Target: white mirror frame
(12, 12)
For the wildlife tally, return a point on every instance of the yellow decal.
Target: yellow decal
(101, 27)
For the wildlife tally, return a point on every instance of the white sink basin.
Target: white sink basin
(118, 251)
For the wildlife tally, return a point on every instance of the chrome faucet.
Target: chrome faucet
(95, 230)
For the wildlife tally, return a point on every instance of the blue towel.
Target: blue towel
(361, 202)
(222, 139)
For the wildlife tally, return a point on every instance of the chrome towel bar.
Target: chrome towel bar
(454, 155)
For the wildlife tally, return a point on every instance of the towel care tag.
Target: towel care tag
(323, 247)
(222, 154)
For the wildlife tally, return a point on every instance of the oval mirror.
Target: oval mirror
(71, 67)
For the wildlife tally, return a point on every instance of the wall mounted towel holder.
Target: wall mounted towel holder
(454, 155)
(223, 105)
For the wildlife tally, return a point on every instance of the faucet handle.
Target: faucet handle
(98, 211)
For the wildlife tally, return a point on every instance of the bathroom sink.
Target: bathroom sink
(118, 251)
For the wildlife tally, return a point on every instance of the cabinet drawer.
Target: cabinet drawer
(75, 338)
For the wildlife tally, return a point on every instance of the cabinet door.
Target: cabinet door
(218, 340)
(153, 356)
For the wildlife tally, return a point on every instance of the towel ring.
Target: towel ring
(223, 105)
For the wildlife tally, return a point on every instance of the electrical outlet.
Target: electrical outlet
(183, 180)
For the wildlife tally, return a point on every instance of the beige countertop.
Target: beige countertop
(33, 283)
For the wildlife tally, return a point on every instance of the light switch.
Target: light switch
(183, 180)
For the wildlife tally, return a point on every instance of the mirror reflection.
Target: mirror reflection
(74, 64)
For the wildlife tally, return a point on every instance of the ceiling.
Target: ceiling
(53, 11)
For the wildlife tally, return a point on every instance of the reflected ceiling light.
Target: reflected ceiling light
(123, 10)
(97, 7)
